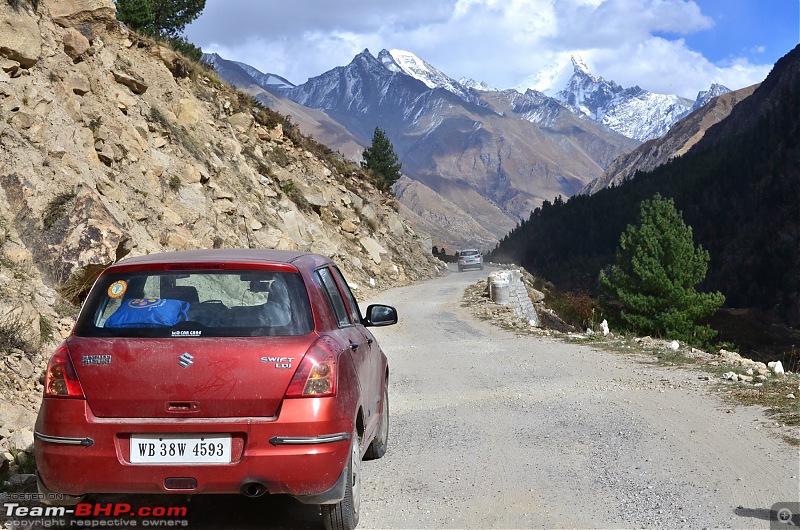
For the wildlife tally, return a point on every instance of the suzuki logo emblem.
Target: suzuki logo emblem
(185, 360)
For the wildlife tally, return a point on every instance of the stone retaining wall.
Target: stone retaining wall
(506, 288)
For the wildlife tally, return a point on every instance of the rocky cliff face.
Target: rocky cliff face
(111, 145)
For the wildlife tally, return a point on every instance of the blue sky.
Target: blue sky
(666, 46)
(756, 29)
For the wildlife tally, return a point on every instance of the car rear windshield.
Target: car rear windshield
(469, 252)
(197, 304)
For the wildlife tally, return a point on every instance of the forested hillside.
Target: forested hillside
(739, 188)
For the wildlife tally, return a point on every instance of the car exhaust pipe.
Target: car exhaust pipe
(253, 489)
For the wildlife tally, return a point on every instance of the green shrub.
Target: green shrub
(12, 335)
(576, 309)
(280, 156)
(296, 196)
(46, 329)
(56, 209)
(175, 183)
(651, 289)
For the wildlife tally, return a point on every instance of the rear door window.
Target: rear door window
(328, 283)
(349, 299)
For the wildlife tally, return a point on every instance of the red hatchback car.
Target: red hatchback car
(218, 371)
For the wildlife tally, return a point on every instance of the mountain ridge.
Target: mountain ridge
(465, 144)
(634, 112)
(681, 137)
(736, 186)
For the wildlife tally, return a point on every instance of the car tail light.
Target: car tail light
(316, 376)
(61, 379)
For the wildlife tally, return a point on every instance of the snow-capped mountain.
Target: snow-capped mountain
(677, 141)
(266, 80)
(413, 66)
(476, 85)
(704, 96)
(495, 154)
(552, 78)
(489, 153)
(633, 112)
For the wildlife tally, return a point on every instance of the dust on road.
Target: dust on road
(494, 430)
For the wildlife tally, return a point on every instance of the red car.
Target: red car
(218, 371)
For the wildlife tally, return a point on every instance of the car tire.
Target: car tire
(344, 514)
(377, 448)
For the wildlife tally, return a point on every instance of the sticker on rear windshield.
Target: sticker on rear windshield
(117, 289)
(187, 333)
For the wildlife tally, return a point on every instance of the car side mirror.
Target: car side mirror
(380, 315)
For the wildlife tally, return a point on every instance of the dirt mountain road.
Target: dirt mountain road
(492, 430)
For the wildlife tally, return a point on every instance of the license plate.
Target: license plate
(180, 449)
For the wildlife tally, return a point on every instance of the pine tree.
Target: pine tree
(165, 19)
(651, 289)
(137, 14)
(380, 159)
(171, 16)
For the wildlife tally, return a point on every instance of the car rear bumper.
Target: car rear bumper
(78, 453)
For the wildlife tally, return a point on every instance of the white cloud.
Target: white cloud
(496, 41)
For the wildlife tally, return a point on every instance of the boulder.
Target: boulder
(75, 44)
(77, 13)
(188, 112)
(77, 83)
(20, 38)
(71, 242)
(373, 248)
(171, 60)
(21, 439)
(14, 417)
(777, 367)
(124, 76)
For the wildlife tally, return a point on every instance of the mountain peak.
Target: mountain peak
(550, 79)
(411, 65)
(579, 65)
(704, 96)
(476, 85)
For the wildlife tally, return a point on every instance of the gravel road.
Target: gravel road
(494, 430)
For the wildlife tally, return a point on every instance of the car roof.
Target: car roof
(226, 255)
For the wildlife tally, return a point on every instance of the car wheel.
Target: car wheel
(377, 448)
(344, 514)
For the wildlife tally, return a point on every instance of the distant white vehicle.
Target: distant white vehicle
(469, 257)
